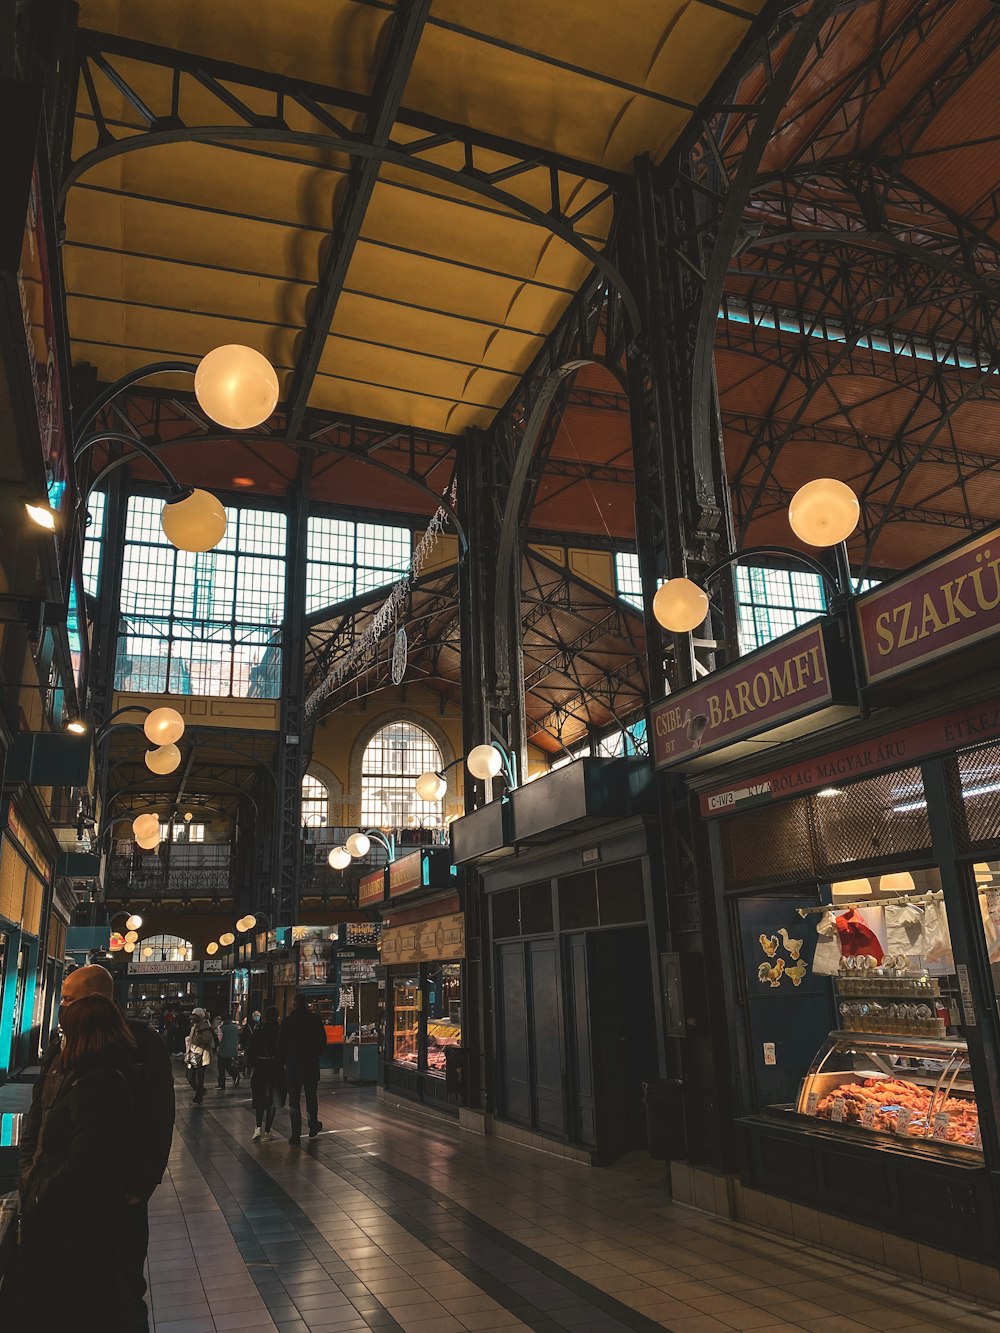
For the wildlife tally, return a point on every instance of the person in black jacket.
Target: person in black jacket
(300, 1041)
(267, 1084)
(144, 1165)
(74, 1193)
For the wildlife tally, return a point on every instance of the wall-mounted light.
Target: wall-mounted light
(823, 512)
(163, 726)
(164, 759)
(42, 515)
(236, 386)
(339, 858)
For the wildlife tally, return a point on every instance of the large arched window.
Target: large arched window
(393, 760)
(315, 803)
(164, 949)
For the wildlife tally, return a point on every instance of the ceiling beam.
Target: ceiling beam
(390, 84)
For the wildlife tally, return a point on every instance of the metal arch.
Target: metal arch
(731, 222)
(321, 447)
(387, 156)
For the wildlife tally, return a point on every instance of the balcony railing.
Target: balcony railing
(177, 871)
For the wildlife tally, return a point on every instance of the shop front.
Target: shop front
(856, 881)
(422, 963)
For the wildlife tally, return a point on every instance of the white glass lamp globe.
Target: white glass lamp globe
(195, 522)
(484, 762)
(129, 946)
(147, 953)
(823, 512)
(132, 935)
(149, 842)
(164, 759)
(680, 605)
(250, 920)
(236, 386)
(431, 786)
(163, 726)
(339, 858)
(212, 948)
(134, 922)
(357, 844)
(227, 939)
(144, 826)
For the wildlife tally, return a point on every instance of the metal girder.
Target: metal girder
(395, 64)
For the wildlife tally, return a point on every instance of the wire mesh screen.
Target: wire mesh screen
(865, 821)
(769, 845)
(976, 776)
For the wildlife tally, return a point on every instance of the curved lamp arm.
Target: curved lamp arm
(810, 561)
(143, 373)
(120, 437)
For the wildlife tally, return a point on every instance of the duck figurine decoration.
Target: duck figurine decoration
(793, 947)
(770, 973)
(769, 943)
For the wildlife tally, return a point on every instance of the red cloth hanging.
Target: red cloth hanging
(857, 939)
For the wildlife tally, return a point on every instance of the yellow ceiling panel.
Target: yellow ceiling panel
(156, 283)
(407, 370)
(382, 404)
(205, 239)
(332, 43)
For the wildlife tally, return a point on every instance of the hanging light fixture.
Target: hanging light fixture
(129, 946)
(246, 923)
(357, 844)
(150, 842)
(431, 786)
(983, 872)
(164, 759)
(188, 816)
(42, 515)
(484, 762)
(212, 948)
(852, 888)
(144, 826)
(194, 521)
(134, 922)
(901, 881)
(131, 936)
(680, 605)
(340, 858)
(236, 386)
(77, 726)
(227, 939)
(163, 726)
(147, 952)
(824, 512)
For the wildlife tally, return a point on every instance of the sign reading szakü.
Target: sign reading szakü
(766, 695)
(950, 603)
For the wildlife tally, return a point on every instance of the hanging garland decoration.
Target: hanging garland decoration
(387, 615)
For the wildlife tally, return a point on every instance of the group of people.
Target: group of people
(95, 1143)
(281, 1059)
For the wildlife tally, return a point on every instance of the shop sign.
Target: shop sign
(216, 965)
(283, 974)
(357, 969)
(439, 940)
(164, 969)
(797, 676)
(371, 888)
(314, 962)
(944, 606)
(964, 726)
(406, 874)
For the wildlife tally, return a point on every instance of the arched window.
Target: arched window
(164, 949)
(315, 803)
(393, 760)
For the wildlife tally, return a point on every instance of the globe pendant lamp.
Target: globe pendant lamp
(431, 786)
(484, 762)
(236, 386)
(131, 935)
(164, 759)
(340, 858)
(134, 922)
(194, 521)
(212, 948)
(149, 844)
(144, 826)
(357, 844)
(823, 512)
(680, 605)
(227, 939)
(163, 726)
(129, 946)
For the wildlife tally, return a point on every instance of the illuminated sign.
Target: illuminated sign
(371, 888)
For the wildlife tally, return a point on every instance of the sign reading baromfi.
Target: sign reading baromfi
(948, 604)
(769, 695)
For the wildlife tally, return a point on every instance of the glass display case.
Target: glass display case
(443, 984)
(406, 1020)
(913, 1087)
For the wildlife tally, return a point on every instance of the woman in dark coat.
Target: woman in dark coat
(267, 1081)
(67, 1265)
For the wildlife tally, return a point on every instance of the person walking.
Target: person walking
(267, 1084)
(229, 1049)
(146, 1162)
(246, 1039)
(74, 1192)
(201, 1044)
(300, 1041)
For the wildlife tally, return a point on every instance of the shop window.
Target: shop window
(578, 901)
(977, 780)
(202, 623)
(506, 914)
(406, 1020)
(856, 1014)
(536, 908)
(620, 897)
(393, 760)
(443, 991)
(315, 803)
(868, 820)
(772, 844)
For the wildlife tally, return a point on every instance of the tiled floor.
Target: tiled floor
(399, 1222)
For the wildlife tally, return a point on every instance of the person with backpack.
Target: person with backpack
(200, 1046)
(267, 1085)
(147, 1068)
(300, 1041)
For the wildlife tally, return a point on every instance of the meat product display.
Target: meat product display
(889, 1096)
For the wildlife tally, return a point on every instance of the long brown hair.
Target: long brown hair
(92, 1028)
